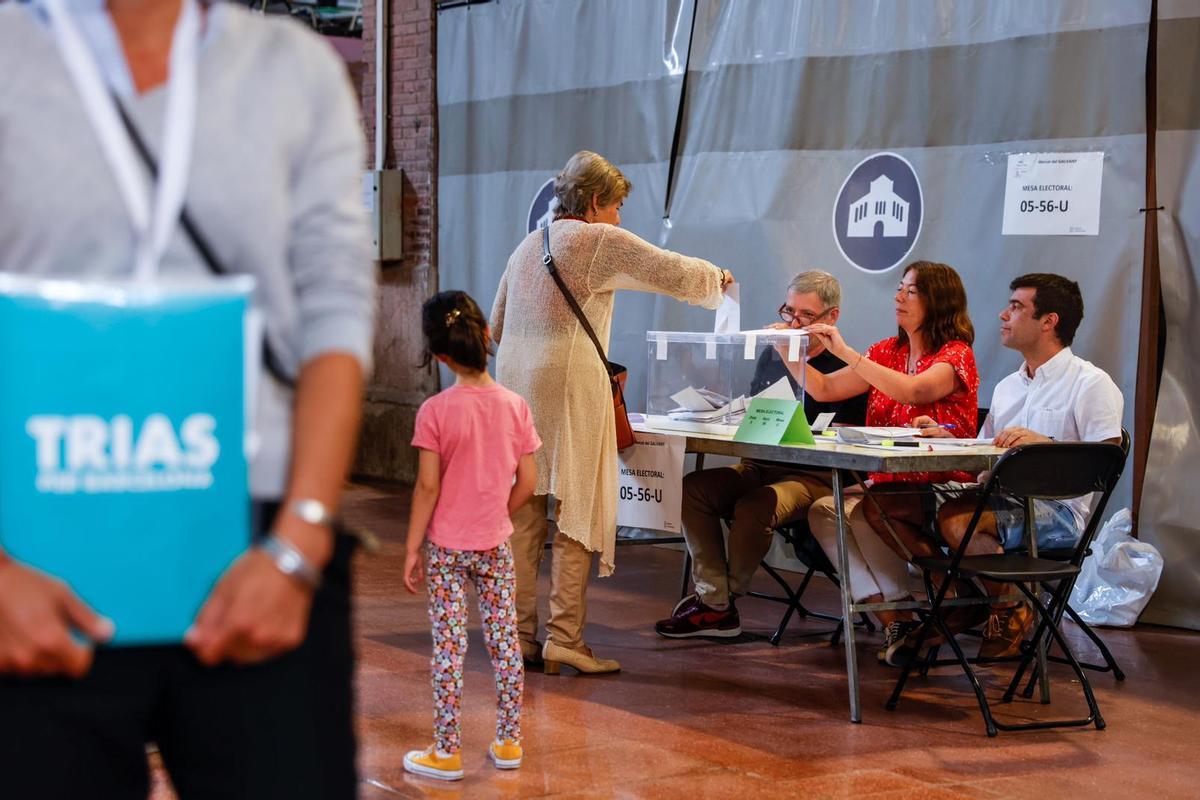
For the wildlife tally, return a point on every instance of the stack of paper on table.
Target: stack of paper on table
(877, 434)
(702, 405)
(854, 434)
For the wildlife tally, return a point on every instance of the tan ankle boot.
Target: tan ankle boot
(581, 659)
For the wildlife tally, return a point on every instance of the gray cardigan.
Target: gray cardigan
(274, 187)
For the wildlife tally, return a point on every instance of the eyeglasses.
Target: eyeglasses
(790, 315)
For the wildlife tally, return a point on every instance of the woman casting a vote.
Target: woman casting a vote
(546, 357)
(926, 369)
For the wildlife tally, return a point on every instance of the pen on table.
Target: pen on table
(891, 443)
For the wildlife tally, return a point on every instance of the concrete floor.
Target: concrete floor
(702, 719)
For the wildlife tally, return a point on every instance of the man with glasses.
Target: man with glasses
(758, 496)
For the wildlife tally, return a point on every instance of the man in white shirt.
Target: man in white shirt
(1055, 396)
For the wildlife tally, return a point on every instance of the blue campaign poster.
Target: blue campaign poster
(122, 465)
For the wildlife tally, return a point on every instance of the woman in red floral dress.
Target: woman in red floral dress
(927, 369)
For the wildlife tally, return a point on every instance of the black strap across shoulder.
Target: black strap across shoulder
(270, 360)
(548, 260)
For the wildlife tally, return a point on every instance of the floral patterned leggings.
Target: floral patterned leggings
(491, 571)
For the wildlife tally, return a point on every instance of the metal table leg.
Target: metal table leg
(1041, 644)
(847, 602)
(686, 578)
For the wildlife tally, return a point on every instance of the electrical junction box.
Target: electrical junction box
(381, 193)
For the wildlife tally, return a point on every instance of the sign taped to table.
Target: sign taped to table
(774, 421)
(650, 483)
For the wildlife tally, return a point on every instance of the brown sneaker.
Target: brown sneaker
(959, 619)
(692, 617)
(1005, 630)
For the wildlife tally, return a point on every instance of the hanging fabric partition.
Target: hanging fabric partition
(787, 104)
(522, 86)
(789, 107)
(1170, 505)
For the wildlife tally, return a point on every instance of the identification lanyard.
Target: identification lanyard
(155, 219)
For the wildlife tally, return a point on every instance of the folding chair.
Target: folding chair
(810, 554)
(1110, 661)
(1033, 472)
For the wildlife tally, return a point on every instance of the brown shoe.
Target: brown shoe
(959, 619)
(1005, 630)
(531, 653)
(581, 659)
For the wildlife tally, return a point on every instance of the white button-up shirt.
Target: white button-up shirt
(1068, 399)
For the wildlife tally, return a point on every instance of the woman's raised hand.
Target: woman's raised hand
(727, 280)
(830, 337)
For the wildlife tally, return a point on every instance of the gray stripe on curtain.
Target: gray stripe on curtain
(1056, 86)
(1079, 76)
(1179, 74)
(630, 123)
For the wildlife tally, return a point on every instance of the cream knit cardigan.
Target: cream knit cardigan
(545, 356)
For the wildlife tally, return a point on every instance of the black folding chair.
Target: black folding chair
(808, 551)
(1110, 662)
(1054, 471)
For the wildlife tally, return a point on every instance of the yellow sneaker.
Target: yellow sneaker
(506, 754)
(432, 764)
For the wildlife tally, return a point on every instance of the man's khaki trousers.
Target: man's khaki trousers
(758, 497)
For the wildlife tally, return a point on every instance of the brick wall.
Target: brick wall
(399, 385)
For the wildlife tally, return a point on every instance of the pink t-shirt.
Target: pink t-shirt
(479, 433)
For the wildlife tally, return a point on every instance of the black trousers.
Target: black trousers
(280, 729)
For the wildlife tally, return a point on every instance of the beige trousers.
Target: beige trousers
(874, 568)
(570, 566)
(758, 498)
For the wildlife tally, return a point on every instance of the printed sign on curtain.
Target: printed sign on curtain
(1053, 194)
(650, 483)
(122, 461)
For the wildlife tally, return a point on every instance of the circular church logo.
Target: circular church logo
(878, 213)
(541, 210)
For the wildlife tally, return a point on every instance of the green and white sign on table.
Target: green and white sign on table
(774, 422)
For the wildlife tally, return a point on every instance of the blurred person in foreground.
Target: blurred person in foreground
(257, 701)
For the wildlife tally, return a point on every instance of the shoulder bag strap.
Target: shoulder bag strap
(548, 260)
(270, 360)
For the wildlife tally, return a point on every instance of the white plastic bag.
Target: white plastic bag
(1118, 578)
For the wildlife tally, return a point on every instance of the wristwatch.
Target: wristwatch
(314, 512)
(290, 561)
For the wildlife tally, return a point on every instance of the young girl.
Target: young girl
(473, 438)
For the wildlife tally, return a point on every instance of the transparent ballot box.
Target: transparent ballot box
(703, 382)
